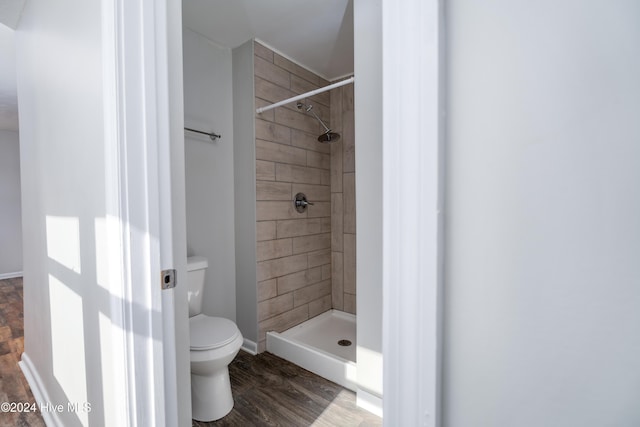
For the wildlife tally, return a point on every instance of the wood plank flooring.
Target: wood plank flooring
(13, 386)
(269, 391)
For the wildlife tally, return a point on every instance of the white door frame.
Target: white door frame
(412, 210)
(136, 90)
(412, 170)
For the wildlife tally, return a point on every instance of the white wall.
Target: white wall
(543, 237)
(368, 133)
(10, 210)
(208, 106)
(244, 158)
(63, 173)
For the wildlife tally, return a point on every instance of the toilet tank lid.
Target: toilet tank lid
(196, 263)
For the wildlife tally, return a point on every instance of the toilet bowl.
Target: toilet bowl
(214, 341)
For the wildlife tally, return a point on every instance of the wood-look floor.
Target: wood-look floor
(13, 386)
(269, 391)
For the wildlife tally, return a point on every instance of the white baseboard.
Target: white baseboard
(369, 402)
(250, 347)
(10, 275)
(39, 392)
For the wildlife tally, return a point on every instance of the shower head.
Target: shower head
(328, 136)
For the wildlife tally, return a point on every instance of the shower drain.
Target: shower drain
(344, 343)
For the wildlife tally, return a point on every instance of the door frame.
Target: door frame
(413, 166)
(142, 72)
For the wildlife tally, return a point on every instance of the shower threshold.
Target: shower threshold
(324, 345)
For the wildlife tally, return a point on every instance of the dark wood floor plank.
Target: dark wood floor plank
(269, 391)
(13, 386)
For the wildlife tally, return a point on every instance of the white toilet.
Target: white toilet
(215, 341)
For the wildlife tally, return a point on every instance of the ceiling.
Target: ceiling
(10, 11)
(317, 34)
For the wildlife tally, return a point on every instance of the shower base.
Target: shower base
(313, 345)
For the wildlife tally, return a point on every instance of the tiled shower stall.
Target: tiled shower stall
(306, 262)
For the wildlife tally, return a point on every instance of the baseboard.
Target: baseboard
(369, 402)
(250, 347)
(39, 392)
(10, 275)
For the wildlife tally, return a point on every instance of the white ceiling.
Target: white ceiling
(10, 11)
(317, 34)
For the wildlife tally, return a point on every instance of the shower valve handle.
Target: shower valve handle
(300, 202)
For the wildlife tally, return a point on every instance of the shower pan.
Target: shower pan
(325, 345)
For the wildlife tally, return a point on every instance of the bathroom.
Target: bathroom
(271, 268)
(530, 220)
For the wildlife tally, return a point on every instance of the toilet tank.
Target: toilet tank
(196, 268)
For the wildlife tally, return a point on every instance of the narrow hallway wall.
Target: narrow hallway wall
(10, 210)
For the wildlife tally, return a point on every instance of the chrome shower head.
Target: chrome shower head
(328, 136)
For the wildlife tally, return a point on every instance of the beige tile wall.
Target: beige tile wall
(294, 249)
(343, 202)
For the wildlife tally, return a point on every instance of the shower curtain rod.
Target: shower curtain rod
(211, 135)
(306, 95)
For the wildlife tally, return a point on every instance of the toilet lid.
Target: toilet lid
(211, 332)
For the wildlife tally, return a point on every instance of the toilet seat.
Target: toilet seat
(208, 333)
